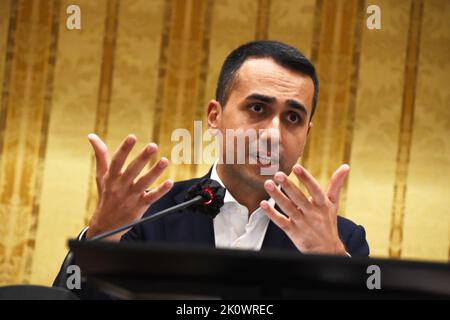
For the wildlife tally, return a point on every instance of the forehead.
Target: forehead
(265, 76)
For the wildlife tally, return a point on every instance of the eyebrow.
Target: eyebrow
(294, 104)
(262, 98)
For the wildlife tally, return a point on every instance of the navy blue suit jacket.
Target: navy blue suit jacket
(190, 227)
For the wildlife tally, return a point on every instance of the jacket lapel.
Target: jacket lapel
(275, 238)
(197, 227)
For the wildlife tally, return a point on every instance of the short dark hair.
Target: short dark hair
(283, 54)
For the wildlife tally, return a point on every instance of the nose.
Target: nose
(274, 128)
(275, 123)
(270, 136)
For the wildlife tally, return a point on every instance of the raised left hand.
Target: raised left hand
(311, 223)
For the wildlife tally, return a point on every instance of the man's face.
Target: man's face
(265, 96)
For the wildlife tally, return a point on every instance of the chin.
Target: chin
(253, 176)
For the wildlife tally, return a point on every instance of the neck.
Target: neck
(245, 194)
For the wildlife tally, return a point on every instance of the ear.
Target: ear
(310, 125)
(214, 115)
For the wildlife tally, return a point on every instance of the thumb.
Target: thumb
(101, 154)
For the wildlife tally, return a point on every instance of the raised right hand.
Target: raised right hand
(124, 198)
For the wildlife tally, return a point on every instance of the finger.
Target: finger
(156, 194)
(121, 155)
(293, 192)
(279, 219)
(136, 166)
(311, 184)
(284, 202)
(337, 182)
(101, 154)
(158, 168)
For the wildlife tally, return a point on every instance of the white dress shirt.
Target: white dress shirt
(233, 228)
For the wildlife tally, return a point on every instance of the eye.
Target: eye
(257, 108)
(293, 117)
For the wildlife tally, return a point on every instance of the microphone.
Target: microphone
(206, 196)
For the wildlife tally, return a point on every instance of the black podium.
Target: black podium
(146, 271)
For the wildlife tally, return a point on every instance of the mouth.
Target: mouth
(264, 161)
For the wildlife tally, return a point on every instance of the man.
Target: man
(262, 85)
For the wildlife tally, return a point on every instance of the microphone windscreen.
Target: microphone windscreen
(207, 187)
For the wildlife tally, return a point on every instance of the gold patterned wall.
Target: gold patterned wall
(149, 66)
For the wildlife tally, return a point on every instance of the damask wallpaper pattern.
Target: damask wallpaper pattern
(150, 66)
